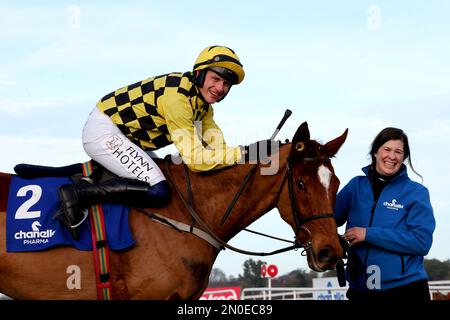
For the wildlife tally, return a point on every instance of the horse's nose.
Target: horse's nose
(326, 255)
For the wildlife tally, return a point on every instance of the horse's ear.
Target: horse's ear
(302, 133)
(300, 139)
(333, 146)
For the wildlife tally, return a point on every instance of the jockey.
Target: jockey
(151, 114)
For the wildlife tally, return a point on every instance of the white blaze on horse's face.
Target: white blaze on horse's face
(324, 177)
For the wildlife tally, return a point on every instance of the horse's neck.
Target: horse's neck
(214, 194)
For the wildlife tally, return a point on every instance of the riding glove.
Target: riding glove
(260, 151)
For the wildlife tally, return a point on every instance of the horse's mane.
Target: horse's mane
(167, 160)
(313, 148)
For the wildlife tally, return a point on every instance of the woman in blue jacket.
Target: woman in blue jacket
(390, 225)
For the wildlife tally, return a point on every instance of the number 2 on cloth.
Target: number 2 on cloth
(23, 211)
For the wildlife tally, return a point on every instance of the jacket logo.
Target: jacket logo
(393, 205)
(113, 142)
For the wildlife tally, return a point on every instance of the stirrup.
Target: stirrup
(85, 213)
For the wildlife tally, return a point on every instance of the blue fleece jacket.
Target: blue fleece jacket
(399, 231)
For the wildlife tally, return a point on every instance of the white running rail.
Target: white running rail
(307, 293)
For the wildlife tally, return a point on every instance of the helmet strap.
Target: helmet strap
(200, 78)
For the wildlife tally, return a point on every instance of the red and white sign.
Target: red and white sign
(270, 270)
(264, 270)
(225, 293)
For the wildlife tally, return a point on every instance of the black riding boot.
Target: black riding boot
(76, 198)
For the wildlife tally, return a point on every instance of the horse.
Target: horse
(440, 296)
(166, 263)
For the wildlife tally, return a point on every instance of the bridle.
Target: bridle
(299, 218)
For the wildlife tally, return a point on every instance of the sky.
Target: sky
(361, 65)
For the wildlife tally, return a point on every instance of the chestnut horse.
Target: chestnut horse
(166, 263)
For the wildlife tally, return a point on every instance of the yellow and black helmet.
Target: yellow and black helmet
(222, 60)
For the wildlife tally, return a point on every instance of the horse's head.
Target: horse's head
(308, 196)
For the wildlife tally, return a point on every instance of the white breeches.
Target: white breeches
(106, 144)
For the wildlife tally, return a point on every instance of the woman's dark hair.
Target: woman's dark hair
(391, 133)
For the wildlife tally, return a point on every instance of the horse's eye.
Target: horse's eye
(300, 184)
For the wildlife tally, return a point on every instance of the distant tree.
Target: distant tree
(251, 277)
(437, 270)
(217, 276)
(234, 282)
(296, 278)
(329, 273)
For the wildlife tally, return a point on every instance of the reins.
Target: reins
(238, 194)
(204, 226)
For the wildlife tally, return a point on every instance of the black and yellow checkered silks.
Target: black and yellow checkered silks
(149, 111)
(134, 108)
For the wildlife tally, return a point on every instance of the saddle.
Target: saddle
(73, 171)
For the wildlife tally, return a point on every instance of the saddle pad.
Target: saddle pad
(30, 225)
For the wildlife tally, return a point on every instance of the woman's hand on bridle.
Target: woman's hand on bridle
(355, 235)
